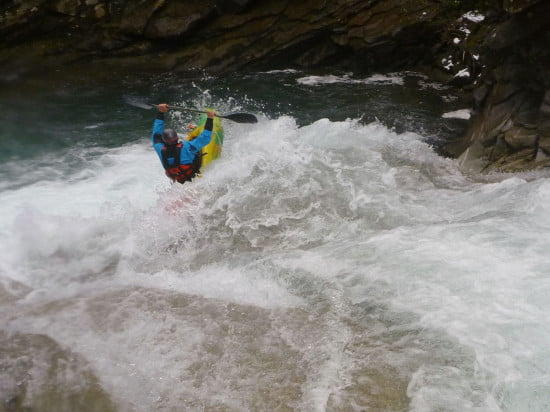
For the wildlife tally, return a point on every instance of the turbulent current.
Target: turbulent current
(332, 260)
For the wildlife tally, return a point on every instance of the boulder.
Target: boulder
(516, 162)
(69, 7)
(519, 138)
(176, 19)
(136, 15)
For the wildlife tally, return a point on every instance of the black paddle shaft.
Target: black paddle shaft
(235, 117)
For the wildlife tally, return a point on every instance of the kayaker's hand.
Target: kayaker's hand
(210, 114)
(163, 107)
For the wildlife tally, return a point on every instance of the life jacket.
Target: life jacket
(178, 172)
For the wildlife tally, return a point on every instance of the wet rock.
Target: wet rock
(512, 101)
(479, 94)
(69, 7)
(136, 15)
(360, 33)
(544, 145)
(516, 162)
(100, 11)
(175, 19)
(39, 375)
(518, 138)
(499, 148)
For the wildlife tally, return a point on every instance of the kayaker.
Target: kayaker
(181, 160)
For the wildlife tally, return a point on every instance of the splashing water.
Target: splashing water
(334, 265)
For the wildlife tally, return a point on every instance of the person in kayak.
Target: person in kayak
(181, 160)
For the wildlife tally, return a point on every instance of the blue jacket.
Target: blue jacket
(189, 149)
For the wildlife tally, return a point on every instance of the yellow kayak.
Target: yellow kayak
(212, 150)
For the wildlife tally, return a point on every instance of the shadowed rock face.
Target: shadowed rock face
(502, 58)
(511, 129)
(223, 35)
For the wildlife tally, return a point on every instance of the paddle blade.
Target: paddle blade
(138, 102)
(241, 117)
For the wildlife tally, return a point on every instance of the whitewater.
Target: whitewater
(325, 266)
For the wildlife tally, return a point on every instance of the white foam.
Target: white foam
(305, 256)
(93, 126)
(464, 114)
(219, 282)
(283, 71)
(474, 17)
(463, 73)
(348, 79)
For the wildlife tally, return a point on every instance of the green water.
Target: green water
(78, 110)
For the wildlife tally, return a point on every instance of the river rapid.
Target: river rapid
(332, 260)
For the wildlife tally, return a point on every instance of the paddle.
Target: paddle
(235, 117)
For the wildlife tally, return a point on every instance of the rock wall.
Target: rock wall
(510, 130)
(498, 53)
(221, 34)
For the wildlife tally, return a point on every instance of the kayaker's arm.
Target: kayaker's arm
(158, 125)
(204, 138)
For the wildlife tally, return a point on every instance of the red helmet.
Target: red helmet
(170, 137)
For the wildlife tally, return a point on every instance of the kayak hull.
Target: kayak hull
(212, 150)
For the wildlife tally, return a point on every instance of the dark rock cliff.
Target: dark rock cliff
(222, 35)
(497, 53)
(510, 130)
